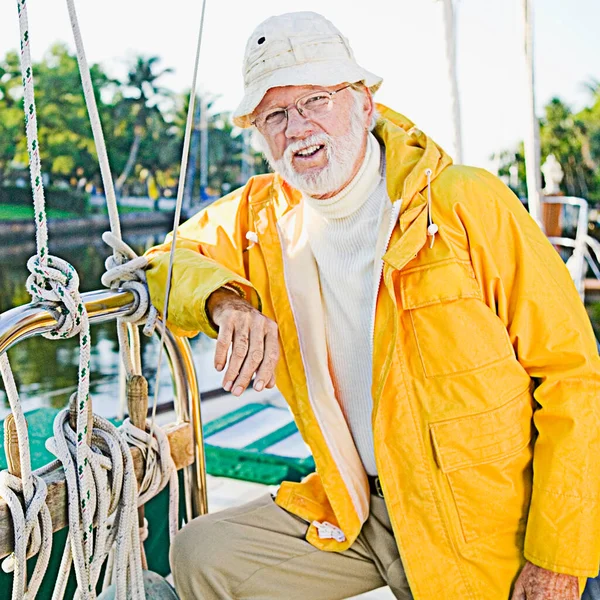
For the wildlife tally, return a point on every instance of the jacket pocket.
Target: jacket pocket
(455, 331)
(486, 460)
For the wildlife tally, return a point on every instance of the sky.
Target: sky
(400, 40)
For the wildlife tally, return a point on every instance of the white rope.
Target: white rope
(55, 280)
(36, 515)
(126, 270)
(176, 219)
(51, 278)
(85, 466)
(115, 513)
(32, 526)
(129, 275)
(160, 468)
(118, 271)
(94, 117)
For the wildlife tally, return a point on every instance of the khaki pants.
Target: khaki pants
(258, 552)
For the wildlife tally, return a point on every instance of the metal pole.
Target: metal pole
(33, 319)
(203, 149)
(450, 35)
(247, 169)
(532, 139)
(192, 160)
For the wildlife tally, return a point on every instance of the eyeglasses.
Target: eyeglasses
(311, 106)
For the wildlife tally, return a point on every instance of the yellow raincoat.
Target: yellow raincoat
(486, 377)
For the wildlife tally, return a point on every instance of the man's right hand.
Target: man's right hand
(252, 337)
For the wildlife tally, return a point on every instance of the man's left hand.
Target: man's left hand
(535, 583)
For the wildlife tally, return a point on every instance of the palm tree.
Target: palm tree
(588, 129)
(141, 97)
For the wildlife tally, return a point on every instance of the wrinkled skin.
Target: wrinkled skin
(252, 337)
(535, 583)
(336, 124)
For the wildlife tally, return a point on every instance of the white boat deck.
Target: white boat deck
(223, 492)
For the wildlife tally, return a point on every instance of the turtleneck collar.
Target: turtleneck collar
(356, 193)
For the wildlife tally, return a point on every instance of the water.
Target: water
(46, 370)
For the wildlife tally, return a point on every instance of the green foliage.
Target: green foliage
(11, 123)
(60, 199)
(143, 124)
(593, 310)
(574, 139)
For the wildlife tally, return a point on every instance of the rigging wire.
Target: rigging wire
(178, 205)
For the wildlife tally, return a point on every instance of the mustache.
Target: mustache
(317, 139)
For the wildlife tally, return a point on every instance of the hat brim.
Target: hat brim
(328, 73)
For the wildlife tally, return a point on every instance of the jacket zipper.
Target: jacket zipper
(325, 530)
(393, 218)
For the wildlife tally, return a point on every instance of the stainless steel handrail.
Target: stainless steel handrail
(33, 319)
(576, 263)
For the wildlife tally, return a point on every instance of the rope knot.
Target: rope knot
(32, 529)
(55, 280)
(125, 269)
(159, 466)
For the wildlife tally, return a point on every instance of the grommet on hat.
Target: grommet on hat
(300, 48)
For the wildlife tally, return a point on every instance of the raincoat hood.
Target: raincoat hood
(412, 152)
(485, 370)
(418, 161)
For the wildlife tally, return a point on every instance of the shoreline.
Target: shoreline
(25, 229)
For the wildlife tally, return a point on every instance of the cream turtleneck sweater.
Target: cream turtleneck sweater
(344, 236)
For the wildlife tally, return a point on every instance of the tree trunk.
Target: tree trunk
(133, 152)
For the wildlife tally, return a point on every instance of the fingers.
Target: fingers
(253, 359)
(519, 592)
(223, 342)
(241, 341)
(253, 340)
(265, 374)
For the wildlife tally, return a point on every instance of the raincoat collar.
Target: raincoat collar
(409, 155)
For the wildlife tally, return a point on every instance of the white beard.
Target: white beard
(342, 154)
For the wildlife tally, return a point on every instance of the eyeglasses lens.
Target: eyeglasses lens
(311, 106)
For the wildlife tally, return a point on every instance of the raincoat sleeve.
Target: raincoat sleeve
(533, 293)
(209, 254)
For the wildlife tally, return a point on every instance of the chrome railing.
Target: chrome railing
(577, 261)
(34, 319)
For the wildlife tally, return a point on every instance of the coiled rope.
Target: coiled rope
(87, 455)
(32, 526)
(114, 513)
(51, 279)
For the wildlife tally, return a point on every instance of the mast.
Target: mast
(247, 169)
(532, 139)
(450, 35)
(203, 148)
(192, 162)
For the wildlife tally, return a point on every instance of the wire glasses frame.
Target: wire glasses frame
(310, 106)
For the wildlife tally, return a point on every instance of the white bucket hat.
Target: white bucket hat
(300, 48)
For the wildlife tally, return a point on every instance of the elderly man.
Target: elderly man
(426, 336)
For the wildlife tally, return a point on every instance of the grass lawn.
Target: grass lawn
(123, 210)
(14, 212)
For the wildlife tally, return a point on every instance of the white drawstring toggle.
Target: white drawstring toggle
(252, 238)
(432, 229)
(328, 531)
